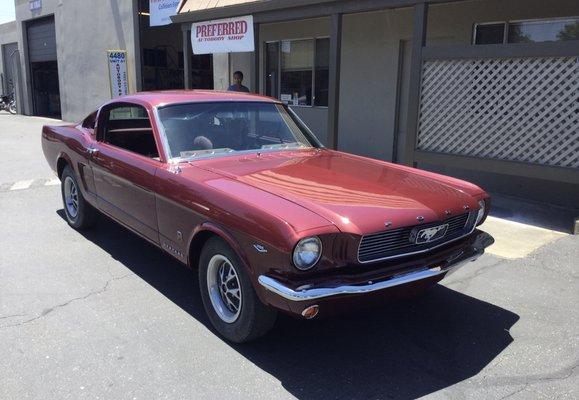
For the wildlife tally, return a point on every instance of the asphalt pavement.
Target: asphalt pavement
(104, 315)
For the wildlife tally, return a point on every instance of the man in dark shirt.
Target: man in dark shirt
(237, 86)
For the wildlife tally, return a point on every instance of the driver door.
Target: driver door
(124, 162)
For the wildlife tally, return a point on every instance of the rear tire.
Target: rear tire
(228, 295)
(79, 214)
(12, 107)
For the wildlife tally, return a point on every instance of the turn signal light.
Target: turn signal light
(310, 312)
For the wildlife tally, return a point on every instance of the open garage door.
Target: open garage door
(43, 67)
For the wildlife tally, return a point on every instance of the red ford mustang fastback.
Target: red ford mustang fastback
(236, 186)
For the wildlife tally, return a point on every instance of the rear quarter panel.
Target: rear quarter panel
(69, 142)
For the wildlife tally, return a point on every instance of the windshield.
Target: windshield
(197, 130)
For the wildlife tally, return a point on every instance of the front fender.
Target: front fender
(224, 234)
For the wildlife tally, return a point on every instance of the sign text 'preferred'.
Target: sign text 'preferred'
(229, 35)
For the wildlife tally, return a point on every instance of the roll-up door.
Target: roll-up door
(42, 41)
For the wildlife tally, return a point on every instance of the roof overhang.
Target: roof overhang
(186, 6)
(265, 11)
(205, 10)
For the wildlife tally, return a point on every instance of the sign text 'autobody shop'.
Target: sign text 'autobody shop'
(223, 36)
(119, 80)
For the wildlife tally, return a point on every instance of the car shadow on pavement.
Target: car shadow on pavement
(404, 350)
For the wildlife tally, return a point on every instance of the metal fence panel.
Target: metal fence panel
(517, 109)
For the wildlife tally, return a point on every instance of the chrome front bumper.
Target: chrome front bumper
(474, 251)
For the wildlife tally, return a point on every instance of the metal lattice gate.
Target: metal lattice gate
(516, 109)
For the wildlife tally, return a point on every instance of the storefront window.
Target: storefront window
(535, 31)
(303, 70)
(544, 31)
(297, 62)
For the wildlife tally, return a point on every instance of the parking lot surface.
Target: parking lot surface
(102, 314)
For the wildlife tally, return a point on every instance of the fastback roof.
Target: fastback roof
(183, 96)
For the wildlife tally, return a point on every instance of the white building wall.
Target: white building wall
(85, 29)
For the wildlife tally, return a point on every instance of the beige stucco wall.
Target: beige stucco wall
(85, 29)
(369, 71)
(376, 58)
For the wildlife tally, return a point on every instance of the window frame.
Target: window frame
(104, 112)
(309, 135)
(92, 117)
(507, 24)
(477, 24)
(279, 69)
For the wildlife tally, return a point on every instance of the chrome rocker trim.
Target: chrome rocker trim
(482, 241)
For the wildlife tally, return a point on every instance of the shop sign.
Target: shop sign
(119, 81)
(35, 5)
(223, 36)
(161, 10)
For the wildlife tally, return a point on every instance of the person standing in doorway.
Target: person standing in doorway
(237, 83)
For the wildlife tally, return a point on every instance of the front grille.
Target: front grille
(397, 242)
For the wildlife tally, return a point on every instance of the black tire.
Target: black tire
(85, 215)
(254, 319)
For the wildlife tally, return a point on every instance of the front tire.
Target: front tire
(228, 295)
(79, 214)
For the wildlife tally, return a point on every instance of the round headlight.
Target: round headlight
(481, 211)
(307, 253)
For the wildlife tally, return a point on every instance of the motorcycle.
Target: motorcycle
(8, 103)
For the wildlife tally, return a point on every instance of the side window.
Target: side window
(89, 122)
(128, 126)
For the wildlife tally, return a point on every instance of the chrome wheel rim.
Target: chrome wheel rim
(70, 197)
(224, 288)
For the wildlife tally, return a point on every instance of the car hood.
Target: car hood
(357, 194)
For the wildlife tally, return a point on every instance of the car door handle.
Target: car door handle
(92, 151)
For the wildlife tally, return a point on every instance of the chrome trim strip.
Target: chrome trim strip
(419, 251)
(482, 241)
(318, 293)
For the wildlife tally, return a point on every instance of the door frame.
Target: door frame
(30, 104)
